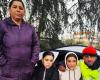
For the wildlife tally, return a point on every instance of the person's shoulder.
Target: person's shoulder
(39, 65)
(2, 24)
(2, 21)
(28, 24)
(78, 69)
(80, 61)
(53, 69)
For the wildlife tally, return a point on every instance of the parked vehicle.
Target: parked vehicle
(60, 53)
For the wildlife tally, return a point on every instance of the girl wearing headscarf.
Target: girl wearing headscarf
(72, 70)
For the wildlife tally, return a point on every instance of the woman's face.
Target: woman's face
(17, 10)
(71, 62)
(47, 61)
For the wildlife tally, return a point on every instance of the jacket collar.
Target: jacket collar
(11, 22)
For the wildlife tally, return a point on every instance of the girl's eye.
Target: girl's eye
(74, 60)
(71, 61)
(51, 60)
(48, 60)
(68, 60)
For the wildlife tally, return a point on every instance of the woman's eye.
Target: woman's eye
(21, 8)
(14, 7)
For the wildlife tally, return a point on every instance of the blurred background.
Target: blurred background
(61, 23)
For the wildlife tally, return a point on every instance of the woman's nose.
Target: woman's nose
(18, 9)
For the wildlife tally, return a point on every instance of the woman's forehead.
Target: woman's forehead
(17, 3)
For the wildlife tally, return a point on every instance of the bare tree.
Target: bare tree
(88, 16)
(50, 15)
(3, 8)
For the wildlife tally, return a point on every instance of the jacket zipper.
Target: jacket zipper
(44, 74)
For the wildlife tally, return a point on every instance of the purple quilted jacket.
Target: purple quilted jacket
(19, 50)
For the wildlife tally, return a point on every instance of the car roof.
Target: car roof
(60, 53)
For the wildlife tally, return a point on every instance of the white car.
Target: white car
(60, 53)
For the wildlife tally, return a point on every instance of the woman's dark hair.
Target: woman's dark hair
(71, 55)
(48, 53)
(10, 4)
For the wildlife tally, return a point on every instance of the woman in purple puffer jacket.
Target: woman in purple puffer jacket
(19, 45)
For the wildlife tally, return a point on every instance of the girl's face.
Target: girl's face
(71, 62)
(17, 10)
(47, 61)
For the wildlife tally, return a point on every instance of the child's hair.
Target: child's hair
(10, 4)
(48, 53)
(71, 55)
